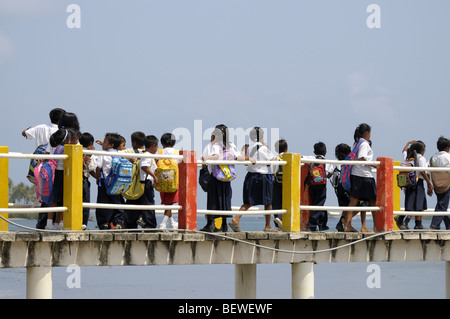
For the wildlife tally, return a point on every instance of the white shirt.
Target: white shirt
(440, 159)
(41, 133)
(91, 166)
(146, 162)
(329, 168)
(105, 162)
(365, 152)
(260, 152)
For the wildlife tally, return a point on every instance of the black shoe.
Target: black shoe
(209, 227)
(312, 228)
(340, 227)
(104, 226)
(419, 227)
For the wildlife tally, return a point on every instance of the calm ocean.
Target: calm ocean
(408, 280)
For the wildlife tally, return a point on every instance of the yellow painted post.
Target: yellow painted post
(396, 193)
(73, 187)
(4, 187)
(291, 192)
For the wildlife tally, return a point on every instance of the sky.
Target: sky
(306, 70)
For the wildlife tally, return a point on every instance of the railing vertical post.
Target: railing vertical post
(73, 187)
(187, 192)
(384, 219)
(396, 193)
(291, 192)
(4, 186)
(305, 198)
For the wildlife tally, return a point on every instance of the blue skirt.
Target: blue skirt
(415, 198)
(363, 188)
(258, 189)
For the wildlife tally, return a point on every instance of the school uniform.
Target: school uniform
(361, 177)
(105, 215)
(91, 166)
(219, 192)
(58, 182)
(318, 193)
(169, 198)
(441, 159)
(258, 183)
(147, 198)
(415, 197)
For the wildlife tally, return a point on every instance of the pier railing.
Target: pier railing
(296, 203)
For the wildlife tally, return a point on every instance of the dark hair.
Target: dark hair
(168, 140)
(138, 138)
(341, 151)
(62, 136)
(256, 134)
(360, 131)
(320, 148)
(414, 148)
(442, 143)
(114, 139)
(221, 131)
(281, 146)
(69, 120)
(86, 139)
(56, 114)
(150, 140)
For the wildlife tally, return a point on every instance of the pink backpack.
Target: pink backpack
(44, 175)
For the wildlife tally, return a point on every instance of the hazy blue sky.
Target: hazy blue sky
(312, 69)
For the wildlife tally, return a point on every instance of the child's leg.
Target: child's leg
(267, 217)
(348, 220)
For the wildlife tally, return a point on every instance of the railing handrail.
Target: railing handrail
(338, 162)
(422, 169)
(33, 156)
(132, 155)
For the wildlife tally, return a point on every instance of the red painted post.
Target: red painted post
(384, 220)
(187, 191)
(305, 197)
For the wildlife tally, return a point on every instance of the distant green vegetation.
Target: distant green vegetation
(21, 194)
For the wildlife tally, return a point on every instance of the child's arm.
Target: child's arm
(147, 170)
(246, 158)
(407, 146)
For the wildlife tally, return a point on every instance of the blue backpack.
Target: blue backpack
(120, 177)
(346, 168)
(44, 174)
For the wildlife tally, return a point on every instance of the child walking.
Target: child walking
(441, 182)
(219, 191)
(168, 142)
(57, 142)
(281, 147)
(147, 176)
(108, 218)
(363, 186)
(317, 181)
(258, 183)
(89, 169)
(415, 197)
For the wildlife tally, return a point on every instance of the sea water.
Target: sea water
(406, 280)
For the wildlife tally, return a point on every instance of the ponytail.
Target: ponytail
(360, 131)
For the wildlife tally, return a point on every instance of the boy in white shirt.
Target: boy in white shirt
(108, 218)
(441, 181)
(147, 167)
(41, 134)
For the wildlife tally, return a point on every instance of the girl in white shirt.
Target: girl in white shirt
(415, 198)
(363, 186)
(219, 192)
(258, 183)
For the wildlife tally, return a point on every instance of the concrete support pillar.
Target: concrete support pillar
(39, 282)
(447, 279)
(303, 280)
(245, 281)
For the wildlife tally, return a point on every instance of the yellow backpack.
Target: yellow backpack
(167, 174)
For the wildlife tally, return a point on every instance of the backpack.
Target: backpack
(336, 182)
(167, 174)
(441, 180)
(317, 175)
(407, 179)
(136, 188)
(346, 168)
(44, 175)
(278, 176)
(224, 172)
(120, 176)
(34, 162)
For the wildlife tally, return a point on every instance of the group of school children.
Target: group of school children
(262, 184)
(65, 129)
